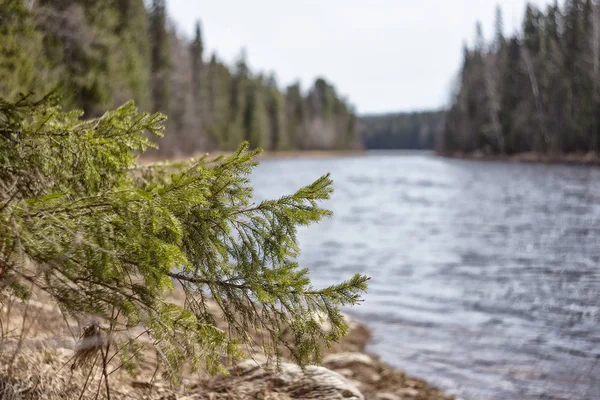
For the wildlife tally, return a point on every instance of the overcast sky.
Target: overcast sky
(384, 55)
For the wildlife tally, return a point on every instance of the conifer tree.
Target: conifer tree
(256, 120)
(197, 84)
(80, 38)
(160, 56)
(22, 62)
(182, 124)
(531, 30)
(275, 104)
(479, 39)
(219, 89)
(575, 81)
(81, 221)
(295, 116)
(134, 49)
(513, 82)
(499, 25)
(237, 128)
(551, 25)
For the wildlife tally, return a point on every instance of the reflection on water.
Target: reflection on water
(485, 277)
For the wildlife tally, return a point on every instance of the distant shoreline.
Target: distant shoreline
(265, 155)
(575, 159)
(581, 159)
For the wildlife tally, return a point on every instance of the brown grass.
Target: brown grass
(42, 364)
(46, 355)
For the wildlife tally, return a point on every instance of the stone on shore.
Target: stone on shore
(250, 380)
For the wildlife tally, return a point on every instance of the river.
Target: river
(485, 275)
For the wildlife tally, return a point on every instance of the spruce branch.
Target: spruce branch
(81, 221)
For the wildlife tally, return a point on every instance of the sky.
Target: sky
(382, 55)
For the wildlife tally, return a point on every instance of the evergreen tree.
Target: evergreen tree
(80, 38)
(479, 39)
(575, 81)
(134, 49)
(551, 25)
(295, 116)
(256, 120)
(239, 89)
(275, 103)
(324, 98)
(499, 25)
(219, 90)
(551, 71)
(531, 30)
(197, 84)
(103, 236)
(22, 63)
(160, 56)
(182, 124)
(513, 81)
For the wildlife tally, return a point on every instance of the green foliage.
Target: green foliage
(106, 237)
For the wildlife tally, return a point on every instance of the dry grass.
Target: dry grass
(42, 357)
(45, 355)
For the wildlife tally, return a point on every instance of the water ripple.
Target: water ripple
(485, 277)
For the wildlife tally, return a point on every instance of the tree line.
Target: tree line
(100, 54)
(535, 91)
(416, 130)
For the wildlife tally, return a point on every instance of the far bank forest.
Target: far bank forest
(536, 91)
(100, 54)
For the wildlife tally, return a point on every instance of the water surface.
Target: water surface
(485, 277)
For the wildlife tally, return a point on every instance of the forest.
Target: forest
(99, 54)
(536, 91)
(413, 131)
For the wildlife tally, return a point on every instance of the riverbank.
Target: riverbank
(42, 371)
(265, 155)
(348, 372)
(589, 159)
